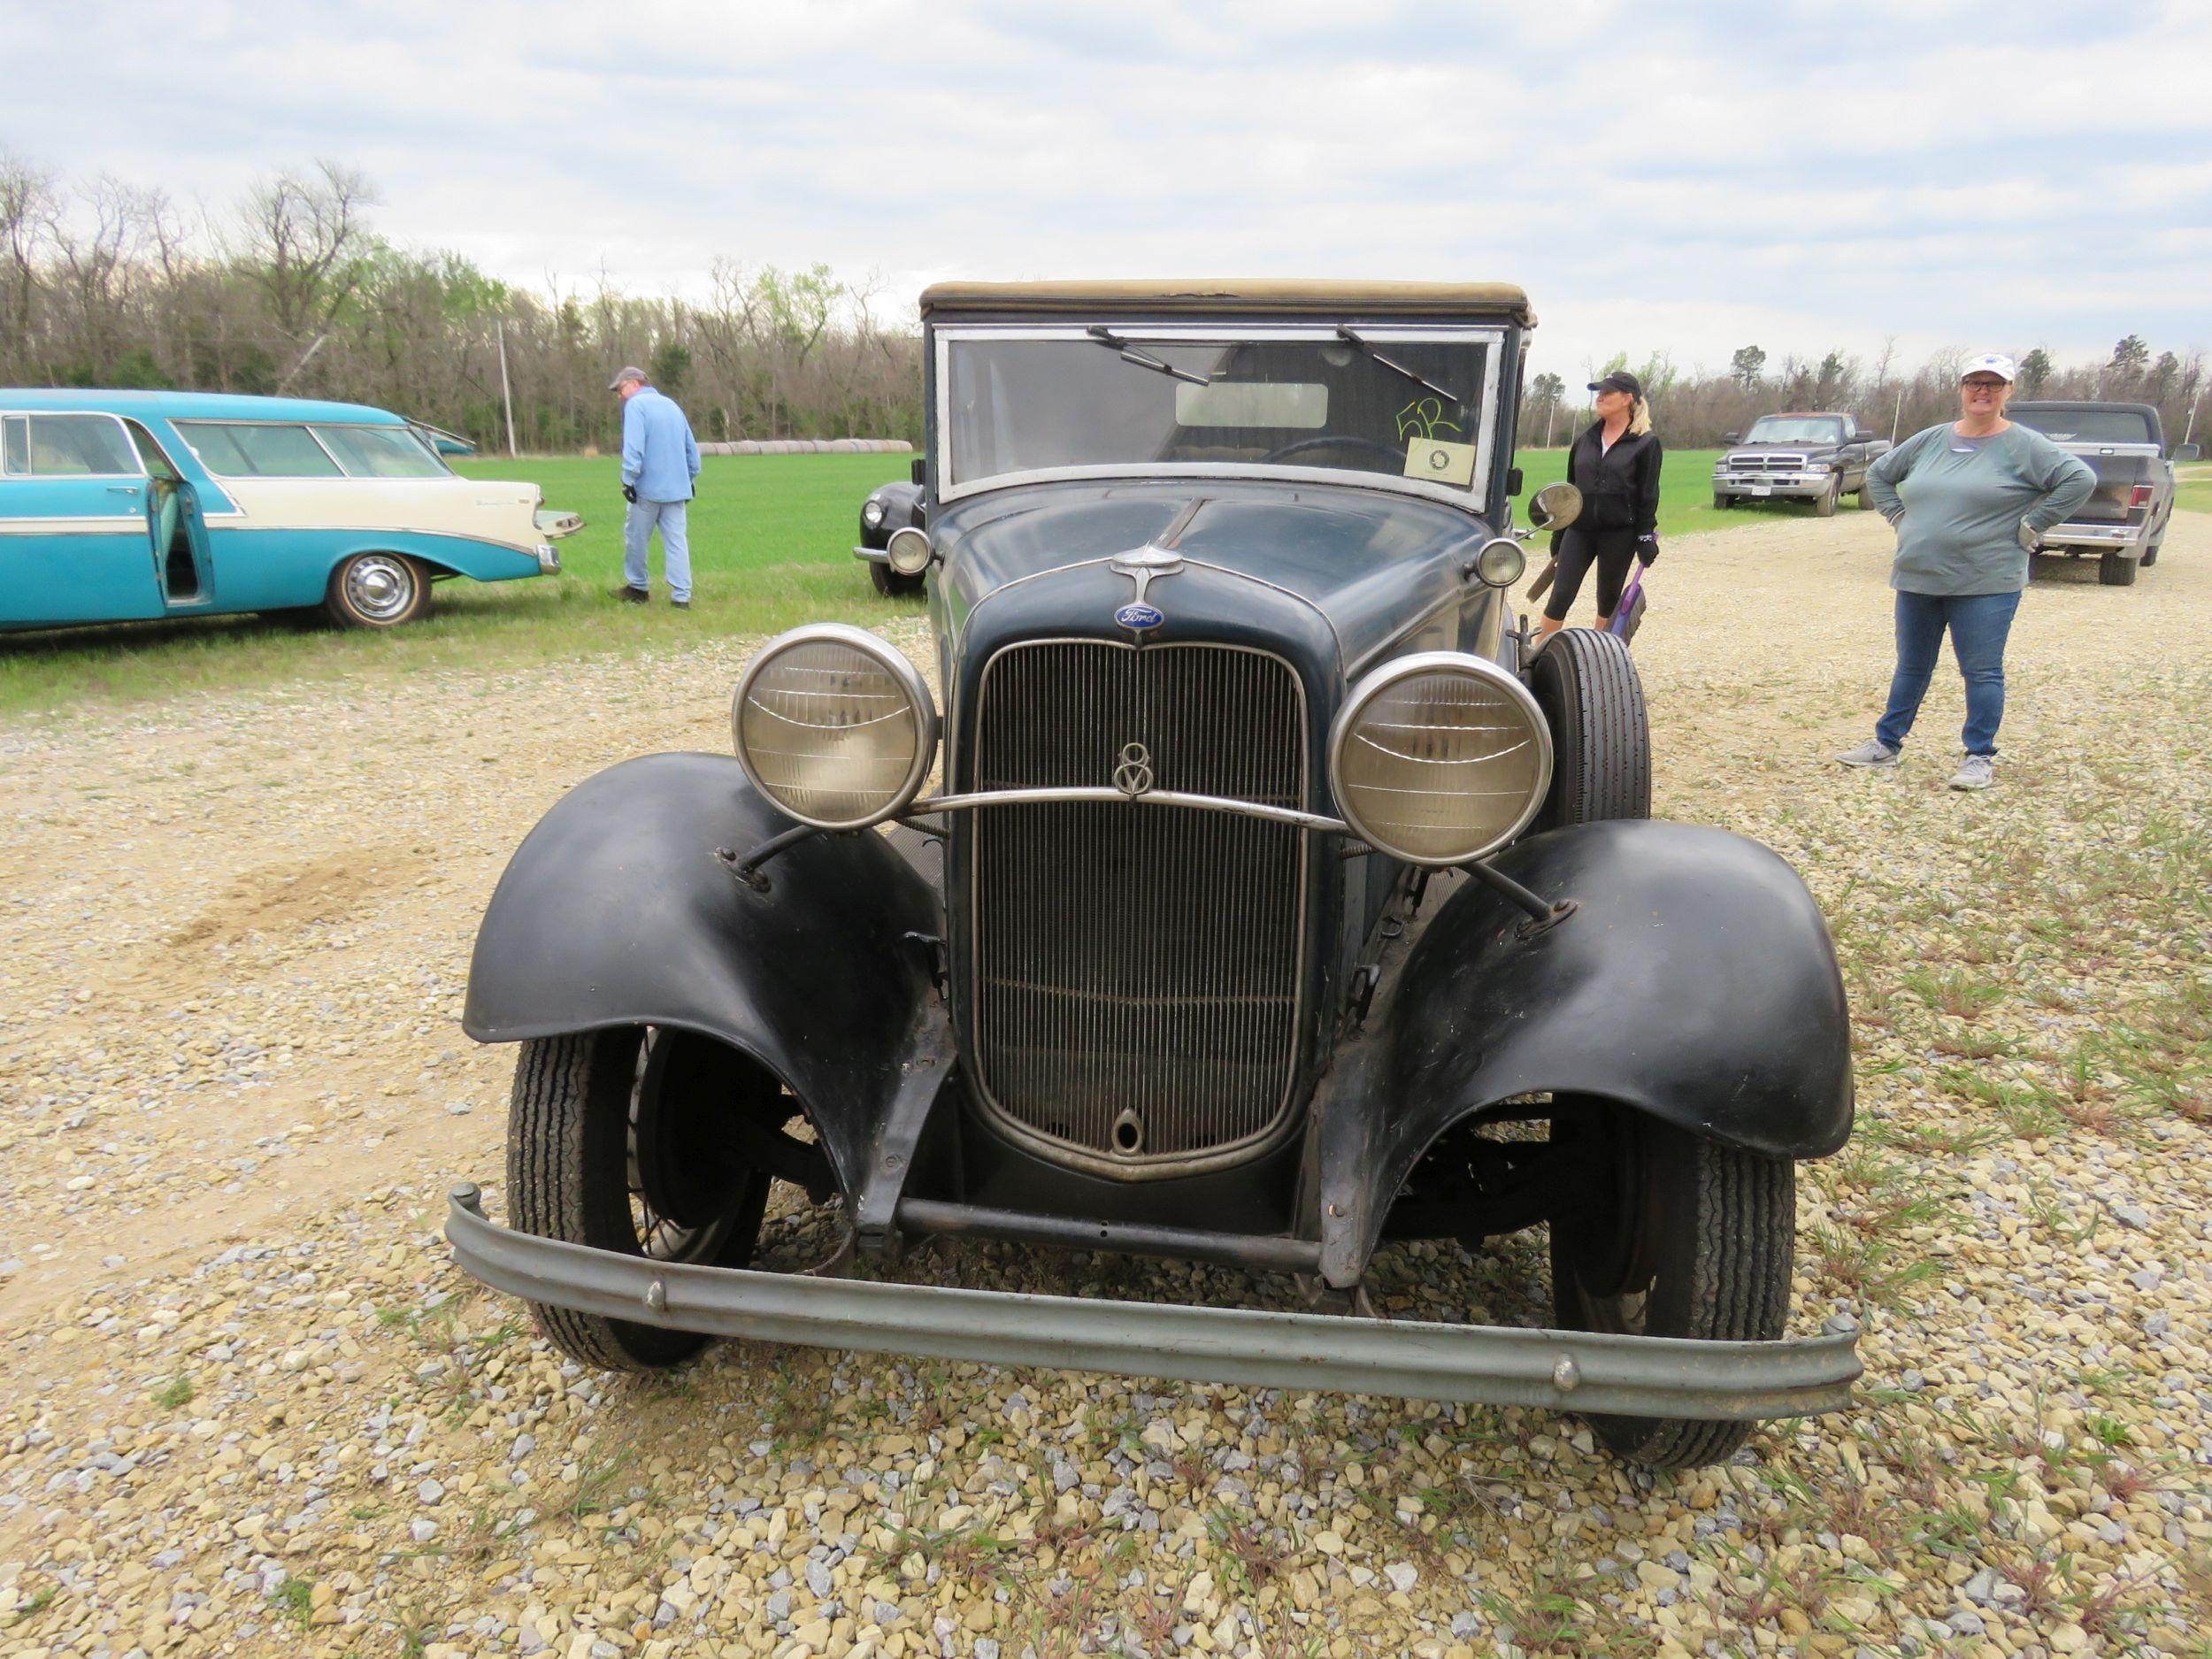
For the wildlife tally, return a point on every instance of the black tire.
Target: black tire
(2116, 569)
(1825, 504)
(1722, 502)
(613, 1142)
(377, 590)
(1866, 499)
(890, 584)
(1700, 1242)
(2150, 557)
(1591, 694)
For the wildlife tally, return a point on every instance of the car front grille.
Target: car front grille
(1764, 464)
(1135, 970)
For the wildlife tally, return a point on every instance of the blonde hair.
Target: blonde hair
(1639, 418)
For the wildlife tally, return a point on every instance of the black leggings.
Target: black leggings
(1611, 549)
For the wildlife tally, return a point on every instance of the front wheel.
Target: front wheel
(621, 1141)
(1697, 1240)
(2116, 569)
(1825, 504)
(1722, 502)
(377, 590)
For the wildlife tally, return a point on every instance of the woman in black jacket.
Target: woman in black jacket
(1615, 464)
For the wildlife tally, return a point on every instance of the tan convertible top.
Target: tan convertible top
(1261, 294)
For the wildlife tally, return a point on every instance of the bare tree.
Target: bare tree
(27, 206)
(305, 241)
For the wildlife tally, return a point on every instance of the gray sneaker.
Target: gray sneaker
(1974, 772)
(1874, 752)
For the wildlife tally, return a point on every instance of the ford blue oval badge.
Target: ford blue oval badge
(1138, 618)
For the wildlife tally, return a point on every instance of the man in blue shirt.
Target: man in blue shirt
(660, 472)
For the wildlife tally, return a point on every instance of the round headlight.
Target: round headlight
(834, 725)
(908, 551)
(1439, 758)
(1501, 562)
(871, 515)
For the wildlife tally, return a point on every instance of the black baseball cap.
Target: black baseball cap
(1619, 380)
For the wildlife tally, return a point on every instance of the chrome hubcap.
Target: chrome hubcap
(379, 588)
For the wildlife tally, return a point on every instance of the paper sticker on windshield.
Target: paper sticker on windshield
(1443, 462)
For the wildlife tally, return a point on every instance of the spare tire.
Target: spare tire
(1587, 686)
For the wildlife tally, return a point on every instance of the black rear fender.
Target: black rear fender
(617, 911)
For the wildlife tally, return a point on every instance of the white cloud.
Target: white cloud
(1809, 178)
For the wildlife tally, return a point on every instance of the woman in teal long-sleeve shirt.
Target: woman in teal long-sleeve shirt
(1969, 498)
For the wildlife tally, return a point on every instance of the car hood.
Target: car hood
(1341, 569)
(1825, 447)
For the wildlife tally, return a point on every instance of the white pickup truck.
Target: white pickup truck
(2123, 523)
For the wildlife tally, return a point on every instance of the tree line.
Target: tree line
(291, 291)
(1698, 409)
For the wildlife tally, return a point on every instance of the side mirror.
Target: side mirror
(2188, 451)
(1862, 437)
(920, 469)
(1513, 480)
(1730, 437)
(1554, 507)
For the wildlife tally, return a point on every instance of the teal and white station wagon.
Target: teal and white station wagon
(120, 505)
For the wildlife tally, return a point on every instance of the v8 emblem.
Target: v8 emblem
(1134, 775)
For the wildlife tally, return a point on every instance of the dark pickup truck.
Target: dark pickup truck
(1815, 458)
(2123, 523)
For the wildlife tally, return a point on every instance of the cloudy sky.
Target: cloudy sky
(1682, 178)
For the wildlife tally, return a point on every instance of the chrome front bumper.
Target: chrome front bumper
(873, 555)
(1470, 1364)
(549, 561)
(1766, 485)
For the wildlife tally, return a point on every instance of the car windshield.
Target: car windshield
(1405, 403)
(2088, 426)
(1795, 429)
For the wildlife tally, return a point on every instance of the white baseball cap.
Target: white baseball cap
(1995, 363)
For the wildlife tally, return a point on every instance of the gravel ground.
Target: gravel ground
(251, 1407)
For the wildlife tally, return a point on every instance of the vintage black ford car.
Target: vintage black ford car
(890, 508)
(1271, 902)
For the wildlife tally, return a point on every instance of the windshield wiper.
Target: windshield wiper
(1422, 380)
(1106, 336)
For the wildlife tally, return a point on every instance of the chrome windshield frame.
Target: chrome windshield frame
(1474, 498)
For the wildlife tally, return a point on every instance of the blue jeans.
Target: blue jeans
(1978, 624)
(637, 531)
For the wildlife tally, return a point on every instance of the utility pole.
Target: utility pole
(506, 393)
(1551, 421)
(1897, 416)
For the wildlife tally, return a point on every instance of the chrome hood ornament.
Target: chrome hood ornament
(1141, 566)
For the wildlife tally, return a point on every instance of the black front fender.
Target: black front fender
(1694, 981)
(615, 911)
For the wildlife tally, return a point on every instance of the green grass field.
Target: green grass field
(1686, 493)
(771, 541)
(2193, 487)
